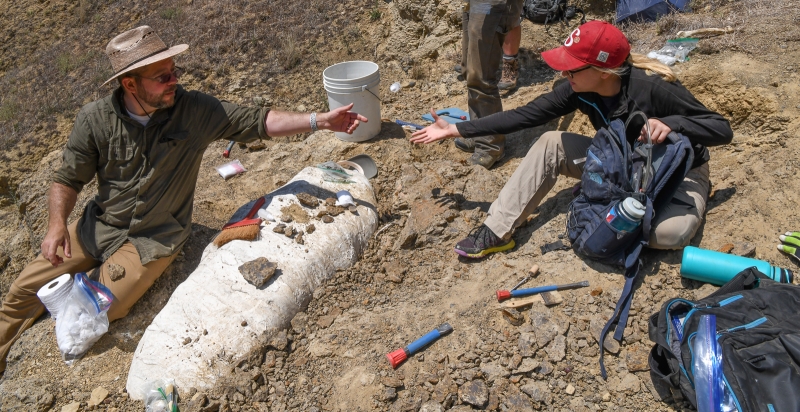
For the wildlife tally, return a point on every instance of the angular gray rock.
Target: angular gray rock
(474, 393)
(258, 272)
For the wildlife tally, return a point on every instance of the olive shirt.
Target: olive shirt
(146, 176)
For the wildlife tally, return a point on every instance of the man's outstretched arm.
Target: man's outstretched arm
(279, 123)
(61, 200)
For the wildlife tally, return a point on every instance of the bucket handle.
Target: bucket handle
(366, 88)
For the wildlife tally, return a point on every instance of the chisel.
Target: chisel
(397, 357)
(505, 294)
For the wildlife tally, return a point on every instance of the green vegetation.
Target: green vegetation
(170, 13)
(8, 111)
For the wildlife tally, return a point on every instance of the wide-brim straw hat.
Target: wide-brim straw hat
(137, 48)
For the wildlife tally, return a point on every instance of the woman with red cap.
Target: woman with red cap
(605, 81)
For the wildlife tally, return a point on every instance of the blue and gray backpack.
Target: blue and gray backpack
(613, 172)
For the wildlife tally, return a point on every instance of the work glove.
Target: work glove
(791, 244)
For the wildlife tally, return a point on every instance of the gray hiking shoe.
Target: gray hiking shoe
(508, 80)
(464, 144)
(484, 159)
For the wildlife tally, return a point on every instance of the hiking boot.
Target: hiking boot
(483, 159)
(508, 80)
(461, 72)
(464, 144)
(480, 242)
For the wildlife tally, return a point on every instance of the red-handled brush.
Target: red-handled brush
(245, 229)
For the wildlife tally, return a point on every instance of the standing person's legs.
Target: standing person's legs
(21, 307)
(676, 223)
(486, 31)
(510, 72)
(552, 155)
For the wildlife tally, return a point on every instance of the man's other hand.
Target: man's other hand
(55, 237)
(340, 120)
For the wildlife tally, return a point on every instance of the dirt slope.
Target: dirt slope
(409, 280)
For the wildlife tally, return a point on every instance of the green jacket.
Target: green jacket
(147, 175)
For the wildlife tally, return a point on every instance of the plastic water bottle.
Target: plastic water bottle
(626, 215)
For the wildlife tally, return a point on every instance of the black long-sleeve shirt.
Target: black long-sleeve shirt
(669, 102)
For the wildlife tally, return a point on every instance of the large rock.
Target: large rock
(216, 316)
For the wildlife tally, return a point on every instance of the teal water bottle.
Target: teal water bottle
(718, 268)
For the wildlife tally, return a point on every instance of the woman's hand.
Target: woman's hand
(340, 120)
(439, 130)
(658, 131)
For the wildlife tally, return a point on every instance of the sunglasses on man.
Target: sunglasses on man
(165, 78)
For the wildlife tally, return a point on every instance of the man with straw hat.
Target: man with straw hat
(144, 143)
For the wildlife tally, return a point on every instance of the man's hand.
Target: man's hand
(439, 130)
(340, 120)
(55, 237)
(658, 131)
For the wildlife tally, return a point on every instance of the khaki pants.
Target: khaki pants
(553, 155)
(21, 307)
(484, 27)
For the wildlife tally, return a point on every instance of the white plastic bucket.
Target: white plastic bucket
(356, 82)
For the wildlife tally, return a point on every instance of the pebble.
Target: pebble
(99, 394)
(327, 219)
(474, 393)
(258, 272)
(115, 272)
(570, 390)
(72, 407)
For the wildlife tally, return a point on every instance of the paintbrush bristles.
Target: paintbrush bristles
(249, 232)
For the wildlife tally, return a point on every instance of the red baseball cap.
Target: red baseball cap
(596, 43)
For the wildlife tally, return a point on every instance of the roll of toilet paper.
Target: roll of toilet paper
(55, 293)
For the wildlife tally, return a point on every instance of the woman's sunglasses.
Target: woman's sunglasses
(571, 73)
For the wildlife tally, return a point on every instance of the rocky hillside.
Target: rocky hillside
(332, 357)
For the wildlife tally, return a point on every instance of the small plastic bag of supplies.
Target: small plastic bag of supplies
(161, 396)
(676, 50)
(230, 169)
(83, 318)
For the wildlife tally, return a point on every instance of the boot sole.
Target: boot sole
(483, 253)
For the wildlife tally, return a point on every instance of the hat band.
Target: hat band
(143, 58)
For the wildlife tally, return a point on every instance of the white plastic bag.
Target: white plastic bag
(231, 168)
(83, 319)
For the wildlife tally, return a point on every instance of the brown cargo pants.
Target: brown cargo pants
(21, 307)
(554, 154)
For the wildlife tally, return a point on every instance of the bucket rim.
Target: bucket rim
(374, 73)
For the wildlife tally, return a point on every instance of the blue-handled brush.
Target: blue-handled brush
(505, 294)
(397, 357)
(404, 123)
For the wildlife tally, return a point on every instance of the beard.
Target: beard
(157, 101)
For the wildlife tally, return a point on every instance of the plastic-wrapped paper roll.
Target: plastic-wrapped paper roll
(55, 293)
